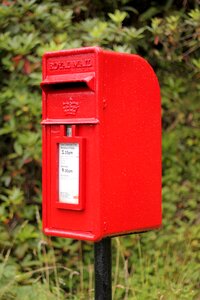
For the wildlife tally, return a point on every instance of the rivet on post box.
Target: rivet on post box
(101, 144)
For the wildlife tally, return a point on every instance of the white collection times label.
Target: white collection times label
(69, 173)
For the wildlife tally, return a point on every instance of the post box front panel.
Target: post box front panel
(71, 198)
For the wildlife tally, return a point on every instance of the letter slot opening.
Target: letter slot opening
(69, 82)
(72, 85)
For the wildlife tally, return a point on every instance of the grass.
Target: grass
(139, 272)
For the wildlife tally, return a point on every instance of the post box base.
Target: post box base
(89, 236)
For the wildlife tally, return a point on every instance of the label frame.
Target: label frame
(81, 142)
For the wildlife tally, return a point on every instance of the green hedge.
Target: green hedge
(157, 265)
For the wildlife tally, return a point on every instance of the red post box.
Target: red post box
(101, 144)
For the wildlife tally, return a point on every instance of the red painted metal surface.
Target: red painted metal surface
(112, 101)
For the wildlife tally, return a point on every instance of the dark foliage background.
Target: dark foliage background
(156, 265)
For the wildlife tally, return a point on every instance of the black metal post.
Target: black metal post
(103, 266)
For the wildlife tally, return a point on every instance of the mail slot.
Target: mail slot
(101, 155)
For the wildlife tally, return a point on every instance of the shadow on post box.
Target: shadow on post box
(101, 144)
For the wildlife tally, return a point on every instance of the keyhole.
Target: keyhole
(69, 130)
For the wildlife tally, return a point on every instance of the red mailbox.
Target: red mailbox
(101, 144)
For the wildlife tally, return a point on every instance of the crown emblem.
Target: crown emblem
(70, 107)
